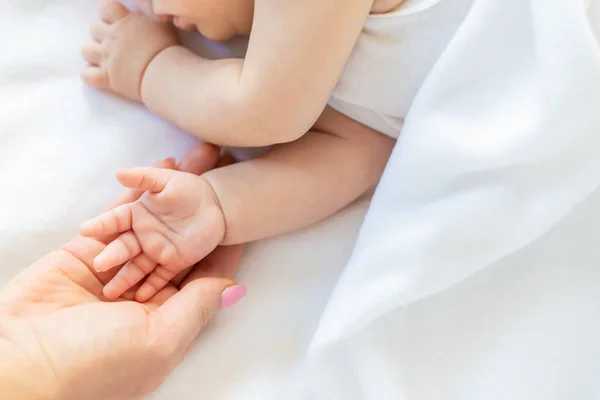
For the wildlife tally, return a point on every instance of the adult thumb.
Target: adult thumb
(186, 313)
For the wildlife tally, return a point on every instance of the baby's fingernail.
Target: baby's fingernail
(109, 291)
(99, 269)
(232, 295)
(99, 264)
(85, 228)
(144, 294)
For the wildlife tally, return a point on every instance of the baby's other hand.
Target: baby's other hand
(175, 224)
(123, 45)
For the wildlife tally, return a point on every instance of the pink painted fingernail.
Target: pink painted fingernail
(232, 295)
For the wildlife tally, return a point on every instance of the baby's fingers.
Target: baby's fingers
(131, 274)
(111, 222)
(117, 252)
(133, 195)
(145, 178)
(157, 280)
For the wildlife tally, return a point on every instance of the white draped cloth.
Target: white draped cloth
(476, 272)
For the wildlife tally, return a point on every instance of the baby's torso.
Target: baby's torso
(391, 59)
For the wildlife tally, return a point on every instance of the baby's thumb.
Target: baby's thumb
(145, 178)
(185, 314)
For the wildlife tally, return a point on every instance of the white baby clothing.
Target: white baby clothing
(392, 58)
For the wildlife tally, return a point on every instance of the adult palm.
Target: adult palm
(79, 345)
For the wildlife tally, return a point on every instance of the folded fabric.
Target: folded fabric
(500, 145)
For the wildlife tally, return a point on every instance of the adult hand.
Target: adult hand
(61, 339)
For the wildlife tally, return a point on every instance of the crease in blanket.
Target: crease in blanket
(499, 146)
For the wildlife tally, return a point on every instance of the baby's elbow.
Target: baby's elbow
(266, 128)
(269, 132)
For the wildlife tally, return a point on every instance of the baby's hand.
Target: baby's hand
(123, 46)
(175, 224)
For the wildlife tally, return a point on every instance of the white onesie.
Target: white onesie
(392, 58)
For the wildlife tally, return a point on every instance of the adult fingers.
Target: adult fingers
(223, 262)
(182, 317)
(199, 159)
(225, 160)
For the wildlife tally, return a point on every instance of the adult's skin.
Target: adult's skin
(60, 339)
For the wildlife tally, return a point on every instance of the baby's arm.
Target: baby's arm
(300, 183)
(182, 217)
(296, 54)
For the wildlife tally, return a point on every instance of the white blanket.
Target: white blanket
(475, 275)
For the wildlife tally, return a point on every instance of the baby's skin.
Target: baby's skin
(320, 162)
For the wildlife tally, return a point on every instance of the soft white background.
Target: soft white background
(476, 275)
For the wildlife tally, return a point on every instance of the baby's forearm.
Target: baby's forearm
(193, 93)
(300, 183)
(205, 98)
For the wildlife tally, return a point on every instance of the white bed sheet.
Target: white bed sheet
(428, 308)
(60, 144)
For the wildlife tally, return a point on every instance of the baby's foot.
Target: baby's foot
(123, 45)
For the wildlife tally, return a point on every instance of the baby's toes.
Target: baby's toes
(95, 77)
(112, 11)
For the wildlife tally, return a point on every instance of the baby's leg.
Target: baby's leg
(297, 184)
